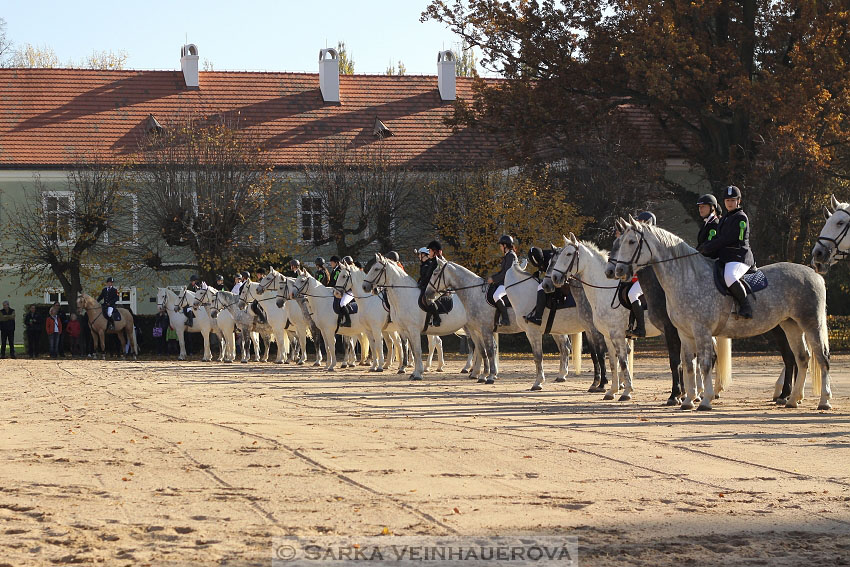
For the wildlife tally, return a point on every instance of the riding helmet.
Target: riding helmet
(348, 260)
(109, 279)
(294, 264)
(423, 250)
(320, 261)
(193, 278)
(731, 192)
(238, 276)
(535, 256)
(246, 276)
(219, 278)
(392, 255)
(707, 199)
(646, 217)
(335, 259)
(435, 245)
(507, 240)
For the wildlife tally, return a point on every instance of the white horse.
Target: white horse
(832, 244)
(320, 299)
(584, 262)
(223, 323)
(276, 317)
(174, 305)
(403, 296)
(521, 288)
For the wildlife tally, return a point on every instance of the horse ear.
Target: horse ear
(552, 246)
(566, 240)
(620, 224)
(633, 223)
(835, 202)
(377, 257)
(573, 239)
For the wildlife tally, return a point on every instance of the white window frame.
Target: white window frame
(301, 214)
(135, 199)
(45, 195)
(131, 302)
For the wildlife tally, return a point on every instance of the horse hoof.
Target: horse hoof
(536, 388)
(624, 398)
(608, 396)
(717, 396)
(330, 369)
(490, 381)
(227, 361)
(825, 406)
(482, 380)
(697, 400)
(317, 364)
(791, 404)
(671, 401)
(464, 371)
(780, 401)
(439, 370)
(244, 362)
(400, 371)
(560, 379)
(301, 363)
(686, 405)
(416, 378)
(704, 407)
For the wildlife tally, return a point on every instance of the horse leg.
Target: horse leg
(594, 358)
(618, 355)
(782, 389)
(329, 341)
(565, 348)
(181, 339)
(492, 354)
(674, 353)
(706, 359)
(688, 359)
(416, 354)
(431, 346)
(207, 352)
(536, 339)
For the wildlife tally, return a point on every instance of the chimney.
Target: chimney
(189, 65)
(329, 74)
(446, 75)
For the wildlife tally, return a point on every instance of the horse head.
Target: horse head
(296, 286)
(376, 276)
(268, 281)
(633, 249)
(611, 266)
(564, 264)
(832, 243)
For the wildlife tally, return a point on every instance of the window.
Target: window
(126, 297)
(53, 295)
(312, 225)
(58, 209)
(125, 219)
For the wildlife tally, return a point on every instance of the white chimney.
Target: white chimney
(189, 64)
(329, 74)
(446, 75)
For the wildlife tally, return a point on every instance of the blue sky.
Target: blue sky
(244, 35)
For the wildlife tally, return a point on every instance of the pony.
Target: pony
(124, 329)
(174, 305)
(795, 299)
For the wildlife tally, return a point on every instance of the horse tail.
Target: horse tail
(576, 342)
(723, 368)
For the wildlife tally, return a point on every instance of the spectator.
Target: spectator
(63, 318)
(7, 330)
(171, 336)
(53, 327)
(73, 330)
(32, 325)
(160, 330)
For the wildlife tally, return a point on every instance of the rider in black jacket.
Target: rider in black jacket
(506, 244)
(732, 247)
(109, 297)
(428, 259)
(710, 221)
(539, 259)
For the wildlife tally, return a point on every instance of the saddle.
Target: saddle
(350, 308)
(561, 299)
(753, 281)
(116, 315)
(491, 289)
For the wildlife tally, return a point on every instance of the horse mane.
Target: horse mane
(679, 248)
(465, 270)
(595, 249)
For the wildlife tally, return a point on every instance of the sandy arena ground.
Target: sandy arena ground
(159, 462)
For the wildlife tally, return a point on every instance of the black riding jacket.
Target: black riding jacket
(732, 243)
(708, 230)
(334, 276)
(508, 261)
(322, 275)
(109, 295)
(426, 269)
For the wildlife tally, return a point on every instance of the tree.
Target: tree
(732, 85)
(346, 63)
(392, 70)
(465, 58)
(365, 198)
(5, 44)
(35, 57)
(106, 60)
(208, 65)
(64, 235)
(471, 209)
(207, 190)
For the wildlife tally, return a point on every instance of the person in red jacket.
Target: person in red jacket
(73, 329)
(53, 326)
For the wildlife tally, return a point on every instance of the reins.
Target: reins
(837, 241)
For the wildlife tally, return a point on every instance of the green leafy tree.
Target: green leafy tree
(34, 57)
(346, 62)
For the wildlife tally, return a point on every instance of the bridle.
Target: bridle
(298, 291)
(567, 273)
(636, 254)
(275, 277)
(836, 242)
(382, 273)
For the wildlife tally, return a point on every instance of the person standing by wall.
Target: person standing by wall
(7, 330)
(160, 330)
(53, 327)
(73, 330)
(32, 326)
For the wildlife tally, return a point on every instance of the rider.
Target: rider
(539, 258)
(345, 297)
(708, 212)
(195, 285)
(246, 279)
(255, 305)
(237, 284)
(294, 266)
(426, 268)
(219, 281)
(393, 255)
(109, 297)
(635, 292)
(334, 272)
(732, 247)
(322, 275)
(506, 245)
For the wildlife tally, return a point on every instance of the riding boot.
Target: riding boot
(737, 291)
(189, 318)
(344, 317)
(435, 317)
(536, 316)
(261, 313)
(110, 324)
(639, 330)
(503, 311)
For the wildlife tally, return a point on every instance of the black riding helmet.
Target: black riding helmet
(646, 217)
(246, 276)
(320, 261)
(707, 199)
(434, 245)
(335, 259)
(193, 278)
(348, 260)
(507, 240)
(535, 256)
(219, 278)
(731, 192)
(392, 255)
(109, 280)
(294, 263)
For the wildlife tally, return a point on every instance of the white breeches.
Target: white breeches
(346, 299)
(109, 311)
(733, 271)
(540, 286)
(635, 292)
(499, 293)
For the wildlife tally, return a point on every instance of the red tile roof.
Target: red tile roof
(48, 117)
